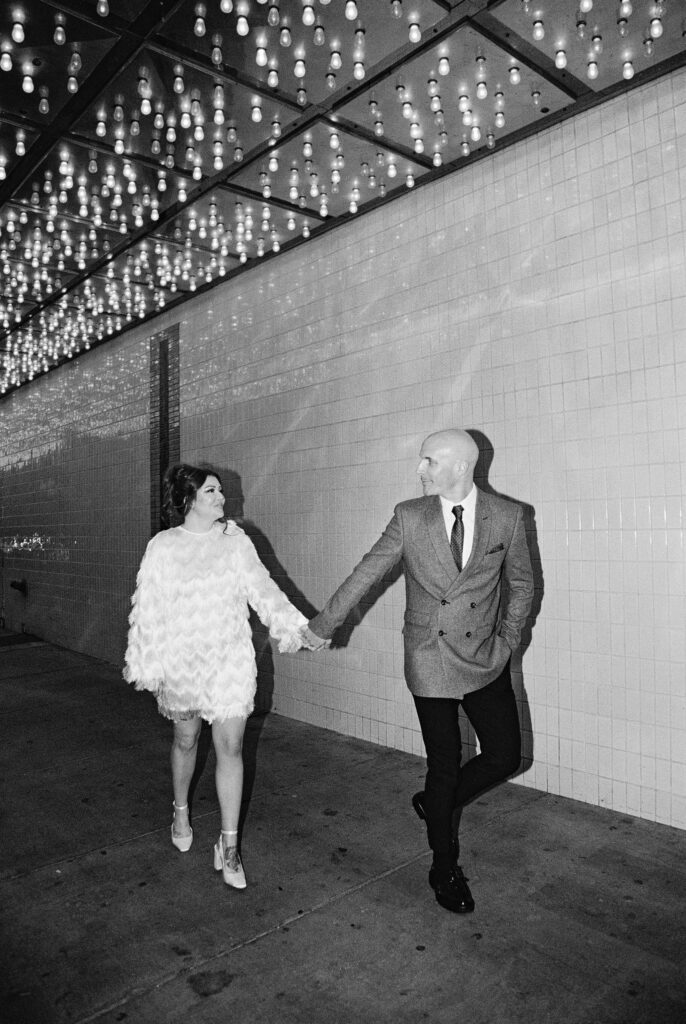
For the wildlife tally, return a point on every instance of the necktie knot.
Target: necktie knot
(457, 511)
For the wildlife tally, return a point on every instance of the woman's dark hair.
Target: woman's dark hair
(181, 484)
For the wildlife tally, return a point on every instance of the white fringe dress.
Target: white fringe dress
(190, 641)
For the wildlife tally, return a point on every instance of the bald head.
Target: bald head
(446, 463)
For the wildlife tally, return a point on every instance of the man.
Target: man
(469, 587)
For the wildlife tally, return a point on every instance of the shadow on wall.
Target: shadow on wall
(486, 452)
(234, 508)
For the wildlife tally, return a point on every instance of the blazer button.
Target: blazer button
(441, 633)
(468, 634)
(473, 604)
(444, 601)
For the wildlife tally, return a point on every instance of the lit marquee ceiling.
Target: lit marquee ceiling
(151, 148)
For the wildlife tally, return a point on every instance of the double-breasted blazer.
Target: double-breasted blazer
(460, 627)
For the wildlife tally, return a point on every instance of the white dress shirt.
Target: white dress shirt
(468, 517)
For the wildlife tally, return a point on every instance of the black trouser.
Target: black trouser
(492, 711)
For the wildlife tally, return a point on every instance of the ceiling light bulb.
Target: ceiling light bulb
(415, 33)
(18, 32)
(481, 91)
(226, 6)
(27, 83)
(397, 8)
(499, 119)
(538, 30)
(299, 68)
(358, 70)
(6, 62)
(351, 10)
(319, 36)
(656, 28)
(627, 70)
(560, 59)
(592, 69)
(336, 61)
(103, 8)
(585, 6)
(622, 26)
(273, 78)
(444, 66)
(626, 9)
(261, 58)
(242, 26)
(308, 15)
(199, 27)
(273, 16)
(515, 75)
(72, 85)
(285, 36)
(60, 36)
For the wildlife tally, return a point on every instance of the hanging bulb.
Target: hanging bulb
(623, 27)
(299, 68)
(273, 78)
(580, 26)
(27, 83)
(44, 105)
(242, 26)
(261, 58)
(515, 75)
(5, 62)
(199, 27)
(358, 70)
(597, 42)
(415, 33)
(538, 30)
(226, 6)
(536, 97)
(560, 59)
(592, 69)
(481, 91)
(18, 32)
(103, 8)
(397, 8)
(60, 35)
(351, 10)
(626, 9)
(656, 28)
(335, 60)
(308, 15)
(72, 85)
(319, 36)
(285, 36)
(499, 119)
(585, 6)
(444, 66)
(273, 16)
(627, 70)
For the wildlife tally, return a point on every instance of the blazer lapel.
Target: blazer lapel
(482, 532)
(436, 529)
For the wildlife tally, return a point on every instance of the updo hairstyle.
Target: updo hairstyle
(181, 484)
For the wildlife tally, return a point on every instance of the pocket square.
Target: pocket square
(498, 547)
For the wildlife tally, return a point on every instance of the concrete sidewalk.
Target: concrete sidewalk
(579, 911)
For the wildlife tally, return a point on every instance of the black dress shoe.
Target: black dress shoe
(452, 892)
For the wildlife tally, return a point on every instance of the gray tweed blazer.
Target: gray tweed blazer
(460, 627)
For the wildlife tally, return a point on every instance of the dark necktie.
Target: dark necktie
(457, 536)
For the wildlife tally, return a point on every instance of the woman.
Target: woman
(190, 643)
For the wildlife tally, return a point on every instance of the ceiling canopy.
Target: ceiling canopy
(151, 148)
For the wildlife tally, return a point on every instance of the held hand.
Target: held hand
(311, 641)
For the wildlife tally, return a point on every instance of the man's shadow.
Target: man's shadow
(234, 509)
(481, 472)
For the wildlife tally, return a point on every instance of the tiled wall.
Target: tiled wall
(538, 296)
